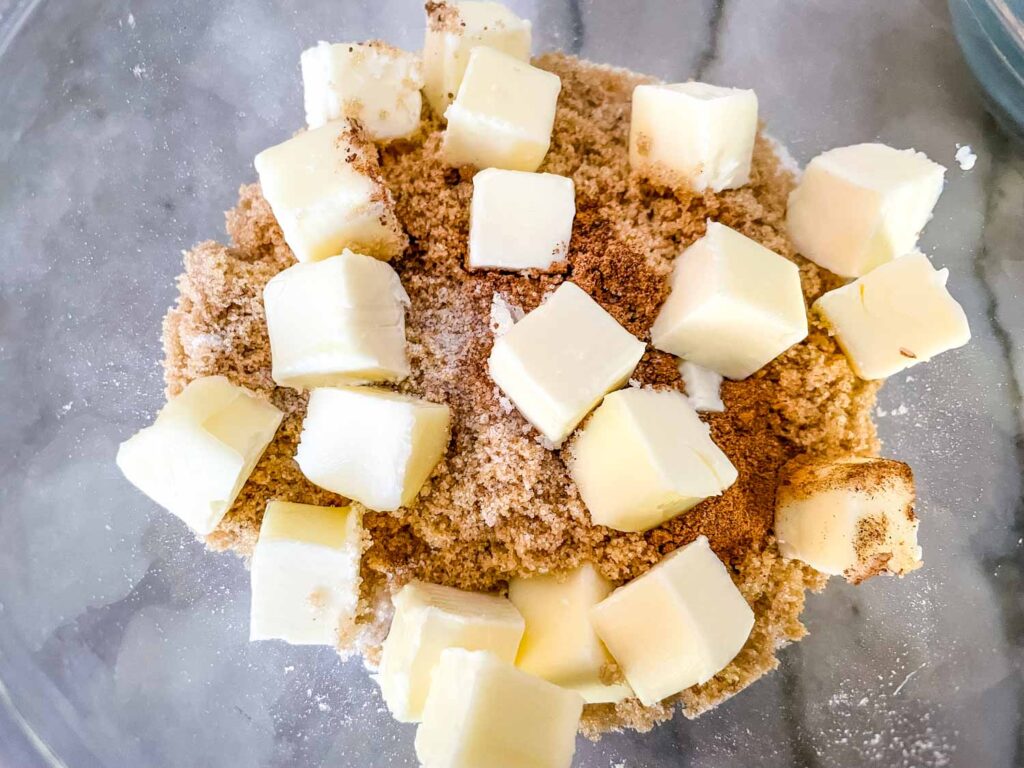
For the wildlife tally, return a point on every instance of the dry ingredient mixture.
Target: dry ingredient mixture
(501, 503)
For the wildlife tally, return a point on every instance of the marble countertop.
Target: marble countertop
(126, 127)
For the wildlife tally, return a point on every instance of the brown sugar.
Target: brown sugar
(501, 503)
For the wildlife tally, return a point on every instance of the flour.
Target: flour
(965, 157)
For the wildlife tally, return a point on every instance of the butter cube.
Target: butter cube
(703, 387)
(852, 516)
(337, 321)
(305, 573)
(559, 361)
(503, 114)
(371, 445)
(896, 316)
(520, 220)
(645, 457)
(325, 189)
(734, 305)
(482, 711)
(430, 618)
(678, 625)
(861, 206)
(455, 29)
(693, 135)
(560, 643)
(200, 450)
(374, 83)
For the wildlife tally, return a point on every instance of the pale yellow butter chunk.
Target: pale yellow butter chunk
(325, 189)
(520, 220)
(560, 643)
(852, 516)
(200, 450)
(560, 360)
(503, 114)
(455, 29)
(371, 445)
(678, 625)
(305, 573)
(430, 618)
(703, 387)
(896, 316)
(337, 321)
(483, 712)
(734, 305)
(693, 135)
(645, 457)
(374, 83)
(858, 207)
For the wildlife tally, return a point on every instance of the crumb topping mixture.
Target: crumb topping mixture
(501, 503)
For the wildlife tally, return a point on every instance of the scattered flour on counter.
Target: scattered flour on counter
(899, 410)
(703, 387)
(965, 157)
(907, 680)
(885, 728)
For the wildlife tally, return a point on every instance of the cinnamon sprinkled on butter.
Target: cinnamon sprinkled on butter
(807, 476)
(869, 544)
(884, 540)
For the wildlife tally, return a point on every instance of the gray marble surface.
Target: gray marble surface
(126, 127)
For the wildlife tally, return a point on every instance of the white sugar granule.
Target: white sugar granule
(503, 315)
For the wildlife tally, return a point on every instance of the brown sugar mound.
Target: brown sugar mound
(500, 503)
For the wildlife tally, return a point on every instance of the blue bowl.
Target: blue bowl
(991, 35)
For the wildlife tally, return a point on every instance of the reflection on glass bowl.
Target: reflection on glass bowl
(991, 35)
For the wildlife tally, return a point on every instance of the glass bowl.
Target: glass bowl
(991, 34)
(125, 130)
